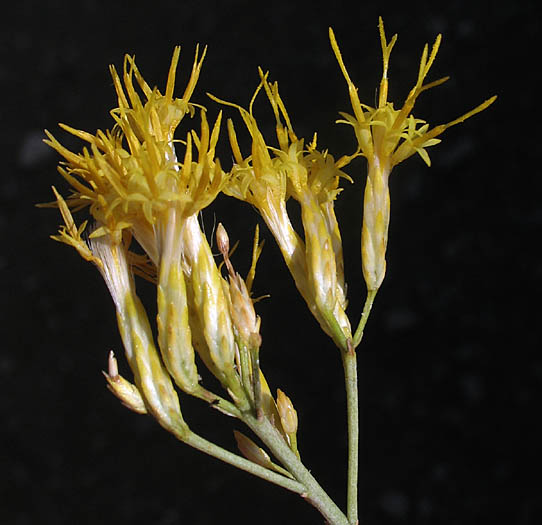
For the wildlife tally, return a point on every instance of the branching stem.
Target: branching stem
(314, 493)
(218, 452)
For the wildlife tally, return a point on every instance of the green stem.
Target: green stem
(255, 371)
(352, 408)
(217, 402)
(314, 493)
(245, 372)
(211, 449)
(349, 359)
(371, 294)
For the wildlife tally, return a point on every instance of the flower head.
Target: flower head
(386, 136)
(267, 179)
(135, 187)
(392, 134)
(130, 176)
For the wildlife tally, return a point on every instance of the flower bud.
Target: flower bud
(124, 390)
(287, 412)
(243, 316)
(222, 239)
(251, 451)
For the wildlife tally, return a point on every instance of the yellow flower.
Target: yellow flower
(134, 186)
(160, 114)
(266, 179)
(386, 136)
(130, 176)
(152, 380)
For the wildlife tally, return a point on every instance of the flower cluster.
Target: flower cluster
(145, 188)
(267, 178)
(136, 188)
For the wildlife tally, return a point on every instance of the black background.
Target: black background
(450, 367)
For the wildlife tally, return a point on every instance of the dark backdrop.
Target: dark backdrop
(450, 368)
